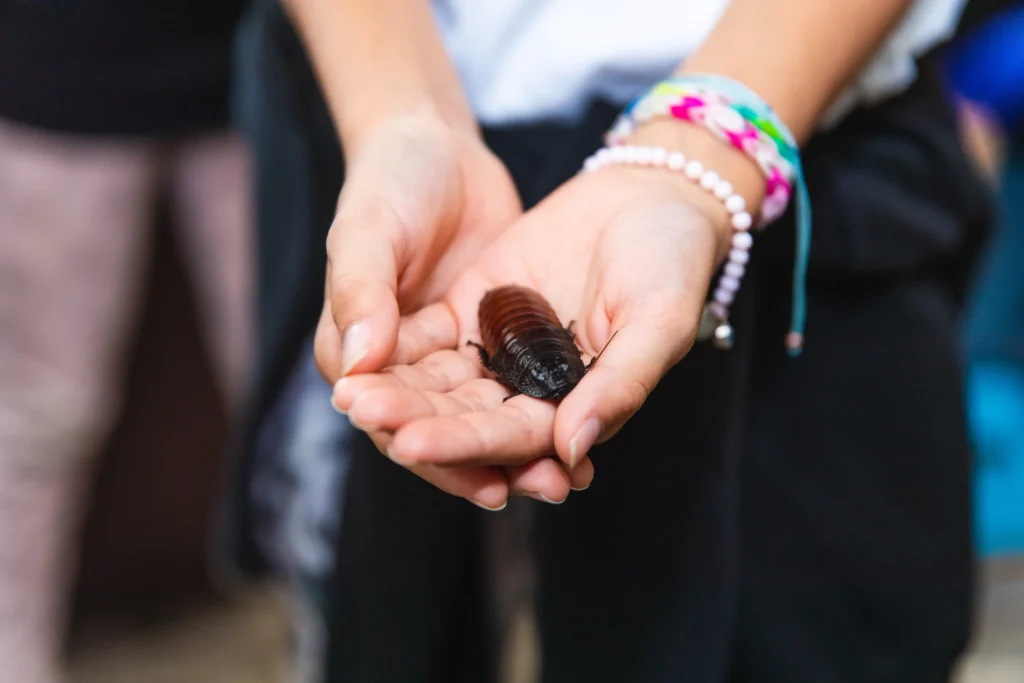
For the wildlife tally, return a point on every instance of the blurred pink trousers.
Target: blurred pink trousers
(76, 222)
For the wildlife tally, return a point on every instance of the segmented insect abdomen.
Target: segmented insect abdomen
(519, 323)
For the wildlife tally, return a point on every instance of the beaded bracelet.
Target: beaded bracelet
(707, 108)
(735, 204)
(738, 116)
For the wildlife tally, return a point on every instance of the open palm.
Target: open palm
(628, 252)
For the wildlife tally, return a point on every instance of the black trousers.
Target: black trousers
(761, 519)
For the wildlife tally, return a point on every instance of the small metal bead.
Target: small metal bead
(723, 336)
(794, 343)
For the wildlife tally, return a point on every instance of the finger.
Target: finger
(363, 282)
(391, 408)
(327, 346)
(546, 479)
(543, 479)
(582, 476)
(616, 386)
(327, 341)
(439, 372)
(430, 329)
(509, 433)
(485, 487)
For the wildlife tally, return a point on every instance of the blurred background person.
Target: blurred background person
(985, 67)
(107, 107)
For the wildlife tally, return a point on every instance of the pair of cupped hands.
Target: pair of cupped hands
(428, 220)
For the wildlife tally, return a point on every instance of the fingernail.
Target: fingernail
(354, 346)
(582, 489)
(335, 405)
(584, 439)
(484, 507)
(541, 497)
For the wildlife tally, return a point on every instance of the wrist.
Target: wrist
(379, 61)
(728, 162)
(433, 117)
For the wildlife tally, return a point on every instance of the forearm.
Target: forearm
(797, 55)
(377, 60)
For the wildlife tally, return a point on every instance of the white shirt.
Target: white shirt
(525, 60)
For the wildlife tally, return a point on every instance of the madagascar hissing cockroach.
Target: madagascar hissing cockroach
(526, 346)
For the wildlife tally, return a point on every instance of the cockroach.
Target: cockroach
(526, 346)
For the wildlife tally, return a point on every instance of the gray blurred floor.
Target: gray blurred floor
(246, 643)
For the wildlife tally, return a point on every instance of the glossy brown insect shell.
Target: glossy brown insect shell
(526, 346)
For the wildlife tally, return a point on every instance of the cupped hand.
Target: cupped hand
(622, 251)
(421, 201)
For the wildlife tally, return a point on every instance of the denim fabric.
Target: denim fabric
(298, 167)
(298, 475)
(297, 481)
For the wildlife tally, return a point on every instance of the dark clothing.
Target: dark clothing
(117, 67)
(761, 519)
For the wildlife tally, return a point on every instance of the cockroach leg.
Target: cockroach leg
(512, 395)
(594, 359)
(485, 358)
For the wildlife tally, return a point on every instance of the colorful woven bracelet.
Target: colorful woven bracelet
(739, 117)
(739, 126)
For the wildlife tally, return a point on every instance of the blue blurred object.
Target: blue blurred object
(995, 326)
(986, 65)
(995, 339)
(995, 399)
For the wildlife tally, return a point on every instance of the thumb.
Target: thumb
(618, 383)
(362, 285)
